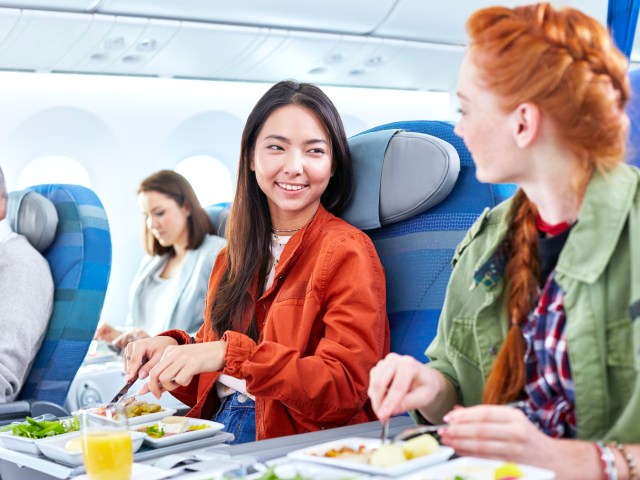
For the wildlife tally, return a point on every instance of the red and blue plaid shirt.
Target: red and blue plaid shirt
(549, 384)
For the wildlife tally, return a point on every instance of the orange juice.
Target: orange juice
(107, 454)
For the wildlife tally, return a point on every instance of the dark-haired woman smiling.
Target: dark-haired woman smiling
(296, 312)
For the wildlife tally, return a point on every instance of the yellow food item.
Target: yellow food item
(74, 444)
(387, 456)
(107, 455)
(420, 446)
(174, 424)
(142, 408)
(508, 470)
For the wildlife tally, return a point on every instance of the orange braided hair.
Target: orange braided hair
(566, 63)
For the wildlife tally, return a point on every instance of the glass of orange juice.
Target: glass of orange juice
(106, 444)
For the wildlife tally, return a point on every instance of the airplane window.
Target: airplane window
(53, 169)
(209, 177)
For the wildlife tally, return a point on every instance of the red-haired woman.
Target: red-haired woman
(544, 298)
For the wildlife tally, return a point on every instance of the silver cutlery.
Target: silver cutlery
(385, 432)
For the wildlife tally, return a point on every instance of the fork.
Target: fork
(421, 429)
(385, 432)
(415, 431)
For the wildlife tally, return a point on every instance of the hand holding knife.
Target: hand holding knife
(123, 391)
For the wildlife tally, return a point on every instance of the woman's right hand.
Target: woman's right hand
(106, 333)
(399, 383)
(150, 348)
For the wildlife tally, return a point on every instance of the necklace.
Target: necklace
(285, 230)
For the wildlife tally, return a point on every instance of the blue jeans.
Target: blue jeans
(238, 414)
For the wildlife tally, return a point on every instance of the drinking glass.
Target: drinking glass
(106, 444)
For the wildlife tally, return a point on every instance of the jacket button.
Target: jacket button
(281, 277)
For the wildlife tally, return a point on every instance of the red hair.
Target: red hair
(566, 63)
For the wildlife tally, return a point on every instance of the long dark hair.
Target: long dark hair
(249, 226)
(566, 63)
(176, 187)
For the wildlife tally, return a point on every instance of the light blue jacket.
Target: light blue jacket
(190, 292)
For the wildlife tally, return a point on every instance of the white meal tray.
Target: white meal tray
(43, 464)
(472, 468)
(53, 448)
(149, 417)
(28, 445)
(174, 439)
(315, 454)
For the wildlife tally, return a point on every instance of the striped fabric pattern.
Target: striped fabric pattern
(633, 110)
(80, 262)
(417, 252)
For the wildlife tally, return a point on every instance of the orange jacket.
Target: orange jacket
(322, 325)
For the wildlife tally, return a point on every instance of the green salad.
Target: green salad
(43, 429)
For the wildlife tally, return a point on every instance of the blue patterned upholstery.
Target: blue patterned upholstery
(416, 253)
(633, 110)
(80, 262)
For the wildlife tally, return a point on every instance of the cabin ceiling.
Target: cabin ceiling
(404, 44)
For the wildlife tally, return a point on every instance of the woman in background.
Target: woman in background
(169, 288)
(296, 311)
(544, 297)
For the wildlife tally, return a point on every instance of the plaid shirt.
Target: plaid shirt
(549, 384)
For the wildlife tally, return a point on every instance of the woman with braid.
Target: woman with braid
(543, 304)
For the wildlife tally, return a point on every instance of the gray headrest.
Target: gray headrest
(219, 215)
(34, 216)
(397, 175)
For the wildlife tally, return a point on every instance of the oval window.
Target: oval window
(53, 169)
(209, 177)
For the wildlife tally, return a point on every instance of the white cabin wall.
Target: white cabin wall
(124, 128)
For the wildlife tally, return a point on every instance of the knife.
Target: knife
(123, 391)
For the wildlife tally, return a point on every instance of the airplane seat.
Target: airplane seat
(219, 213)
(416, 195)
(417, 207)
(79, 257)
(633, 110)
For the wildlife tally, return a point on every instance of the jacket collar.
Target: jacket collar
(603, 215)
(297, 244)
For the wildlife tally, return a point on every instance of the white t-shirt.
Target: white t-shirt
(156, 301)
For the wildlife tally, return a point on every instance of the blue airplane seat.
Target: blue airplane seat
(633, 110)
(415, 193)
(219, 213)
(80, 261)
(417, 250)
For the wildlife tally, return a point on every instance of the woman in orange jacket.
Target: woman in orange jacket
(295, 314)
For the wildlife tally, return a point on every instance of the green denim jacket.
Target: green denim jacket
(599, 271)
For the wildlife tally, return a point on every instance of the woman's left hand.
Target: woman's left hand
(498, 432)
(180, 363)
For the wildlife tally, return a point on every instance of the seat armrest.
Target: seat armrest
(19, 410)
(40, 407)
(14, 411)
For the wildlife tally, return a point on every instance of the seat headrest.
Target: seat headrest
(34, 216)
(219, 213)
(397, 175)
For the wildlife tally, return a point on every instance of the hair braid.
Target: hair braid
(507, 377)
